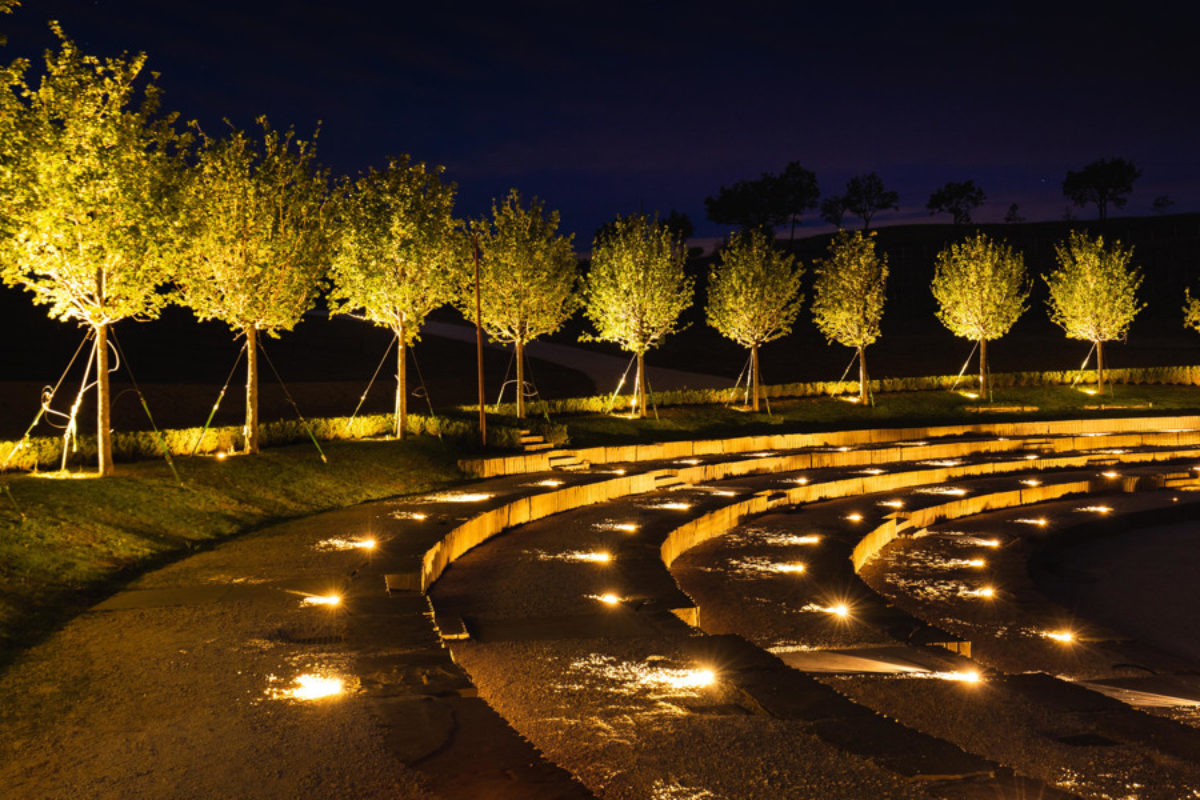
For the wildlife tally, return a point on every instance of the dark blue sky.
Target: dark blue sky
(607, 107)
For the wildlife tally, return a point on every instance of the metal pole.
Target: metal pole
(479, 347)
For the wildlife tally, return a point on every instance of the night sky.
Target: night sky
(604, 107)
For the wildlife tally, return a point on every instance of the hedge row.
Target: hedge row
(1183, 375)
(46, 451)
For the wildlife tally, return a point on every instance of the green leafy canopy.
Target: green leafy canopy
(527, 272)
(849, 290)
(754, 291)
(636, 288)
(1093, 292)
(398, 248)
(981, 288)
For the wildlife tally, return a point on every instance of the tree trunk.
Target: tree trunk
(250, 430)
(520, 346)
(863, 395)
(639, 391)
(985, 386)
(400, 422)
(754, 376)
(1100, 368)
(103, 404)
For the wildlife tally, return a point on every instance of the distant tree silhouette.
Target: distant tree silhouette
(1102, 183)
(1162, 204)
(865, 197)
(679, 224)
(1014, 215)
(958, 199)
(766, 203)
(833, 210)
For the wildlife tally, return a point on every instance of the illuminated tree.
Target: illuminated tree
(87, 187)
(396, 256)
(257, 242)
(865, 197)
(527, 277)
(848, 296)
(981, 290)
(1093, 293)
(956, 199)
(754, 295)
(636, 289)
(1191, 311)
(1101, 183)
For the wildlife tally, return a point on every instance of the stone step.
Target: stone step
(537, 447)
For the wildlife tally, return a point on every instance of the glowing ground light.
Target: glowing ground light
(608, 598)
(892, 503)
(794, 568)
(1066, 637)
(692, 679)
(1097, 509)
(986, 592)
(321, 600)
(804, 540)
(801, 481)
(845, 449)
(310, 686)
(1088, 391)
(966, 676)
(1110, 474)
(221, 455)
(953, 491)
(346, 544)
(1041, 522)
(673, 506)
(989, 542)
(850, 398)
(872, 471)
(549, 483)
(855, 517)
(976, 562)
(599, 557)
(690, 461)
(1032, 457)
(461, 497)
(970, 395)
(1031, 482)
(841, 610)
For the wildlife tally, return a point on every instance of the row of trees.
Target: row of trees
(772, 200)
(980, 285)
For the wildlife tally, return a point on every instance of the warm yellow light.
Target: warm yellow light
(674, 506)
(310, 687)
(986, 592)
(855, 517)
(608, 598)
(805, 540)
(694, 679)
(966, 676)
(600, 557)
(797, 567)
(321, 600)
(850, 398)
(1063, 636)
(461, 497)
(801, 481)
(1110, 474)
(1041, 522)
(1031, 482)
(990, 542)
(550, 483)
(892, 503)
(1032, 457)
(976, 562)
(1088, 391)
(1097, 509)
(840, 610)
(872, 471)
(970, 395)
(366, 544)
(221, 454)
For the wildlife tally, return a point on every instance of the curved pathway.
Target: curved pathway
(185, 684)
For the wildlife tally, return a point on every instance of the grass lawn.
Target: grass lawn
(898, 409)
(82, 536)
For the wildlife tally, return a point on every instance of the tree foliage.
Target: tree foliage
(527, 277)
(636, 288)
(981, 289)
(396, 255)
(88, 179)
(1093, 292)
(865, 197)
(833, 210)
(1013, 215)
(766, 203)
(258, 239)
(754, 291)
(1102, 183)
(754, 295)
(1191, 311)
(848, 294)
(958, 199)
